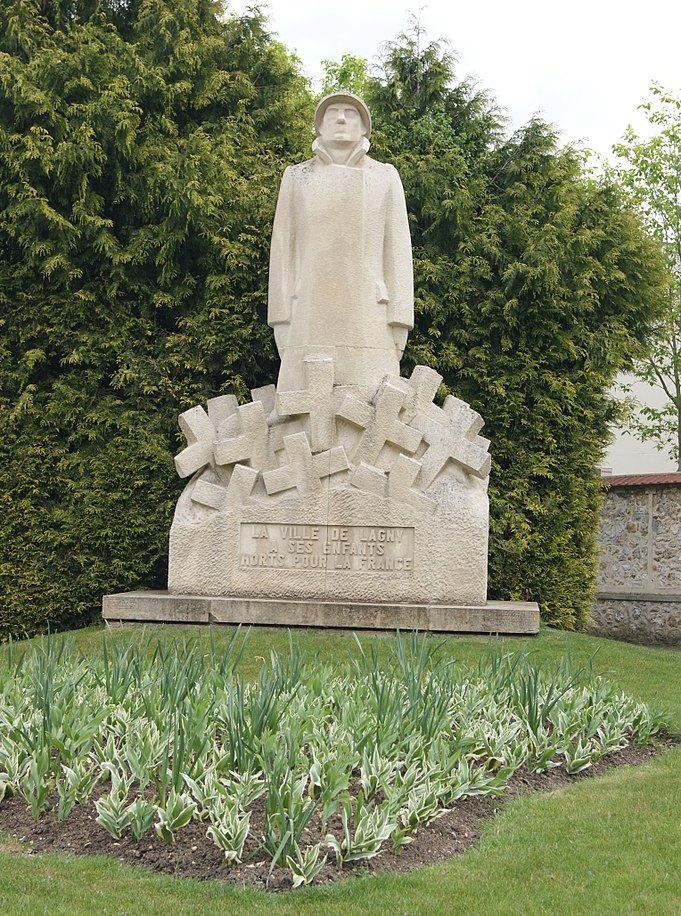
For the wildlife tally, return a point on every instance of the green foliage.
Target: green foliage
(229, 829)
(306, 866)
(651, 175)
(176, 813)
(141, 146)
(349, 74)
(535, 285)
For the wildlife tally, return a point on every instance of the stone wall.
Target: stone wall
(639, 580)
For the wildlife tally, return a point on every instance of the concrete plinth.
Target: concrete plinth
(511, 617)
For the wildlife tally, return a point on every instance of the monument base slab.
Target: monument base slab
(508, 617)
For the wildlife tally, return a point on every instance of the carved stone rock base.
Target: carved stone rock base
(337, 544)
(334, 493)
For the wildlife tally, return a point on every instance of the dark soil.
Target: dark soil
(193, 855)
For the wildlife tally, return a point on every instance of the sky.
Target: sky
(584, 66)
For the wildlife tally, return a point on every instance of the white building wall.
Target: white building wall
(628, 455)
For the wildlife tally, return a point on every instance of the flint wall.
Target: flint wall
(639, 580)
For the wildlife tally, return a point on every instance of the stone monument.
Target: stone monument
(344, 496)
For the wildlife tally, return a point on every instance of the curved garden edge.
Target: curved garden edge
(192, 855)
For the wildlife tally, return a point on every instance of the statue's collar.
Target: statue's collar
(354, 159)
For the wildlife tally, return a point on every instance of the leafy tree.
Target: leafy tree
(138, 173)
(535, 285)
(652, 175)
(350, 74)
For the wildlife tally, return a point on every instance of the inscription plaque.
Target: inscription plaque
(362, 548)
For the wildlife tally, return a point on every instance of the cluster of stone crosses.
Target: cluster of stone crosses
(289, 439)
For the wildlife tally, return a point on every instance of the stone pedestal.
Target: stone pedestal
(332, 506)
(334, 493)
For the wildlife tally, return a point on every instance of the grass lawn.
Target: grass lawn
(607, 845)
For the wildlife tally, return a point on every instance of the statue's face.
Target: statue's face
(341, 126)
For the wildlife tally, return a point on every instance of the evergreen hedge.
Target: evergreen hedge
(535, 286)
(139, 163)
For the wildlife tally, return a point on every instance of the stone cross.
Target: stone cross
(266, 396)
(451, 436)
(236, 493)
(396, 485)
(252, 446)
(201, 430)
(304, 470)
(279, 426)
(316, 401)
(419, 389)
(380, 422)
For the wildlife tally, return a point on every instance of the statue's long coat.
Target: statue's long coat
(341, 275)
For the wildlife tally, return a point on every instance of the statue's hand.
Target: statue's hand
(400, 337)
(281, 333)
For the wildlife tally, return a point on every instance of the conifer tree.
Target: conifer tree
(535, 285)
(141, 145)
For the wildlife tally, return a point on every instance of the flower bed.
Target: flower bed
(299, 776)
